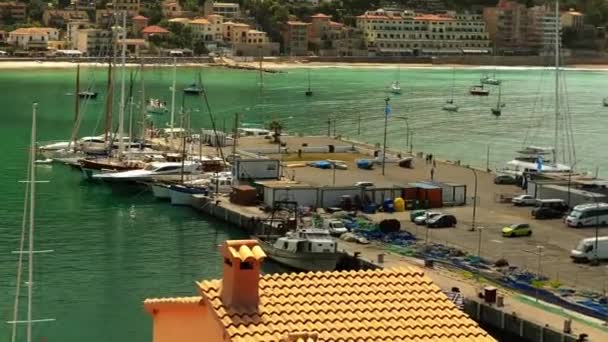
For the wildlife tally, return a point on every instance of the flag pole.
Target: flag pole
(387, 113)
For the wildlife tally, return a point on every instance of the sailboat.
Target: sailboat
(499, 105)
(490, 80)
(309, 91)
(449, 105)
(196, 88)
(395, 87)
(29, 252)
(534, 159)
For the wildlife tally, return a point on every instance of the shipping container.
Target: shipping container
(254, 169)
(429, 195)
(452, 194)
(243, 195)
(378, 195)
(332, 196)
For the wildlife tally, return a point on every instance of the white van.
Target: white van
(588, 214)
(585, 250)
(335, 227)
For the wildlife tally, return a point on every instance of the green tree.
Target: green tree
(199, 48)
(35, 9)
(277, 127)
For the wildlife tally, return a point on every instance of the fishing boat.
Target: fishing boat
(309, 249)
(396, 87)
(87, 94)
(309, 91)
(156, 106)
(478, 90)
(181, 194)
(156, 170)
(497, 111)
(449, 105)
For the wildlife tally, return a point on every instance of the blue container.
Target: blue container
(323, 164)
(388, 205)
(370, 209)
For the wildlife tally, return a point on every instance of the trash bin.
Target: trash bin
(489, 294)
(388, 205)
(399, 204)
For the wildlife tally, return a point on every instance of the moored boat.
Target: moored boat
(309, 249)
(160, 190)
(181, 194)
(87, 94)
(156, 106)
(154, 170)
(478, 90)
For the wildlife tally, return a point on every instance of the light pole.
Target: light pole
(480, 229)
(596, 260)
(539, 251)
(474, 201)
(387, 112)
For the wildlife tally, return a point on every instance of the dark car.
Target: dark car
(505, 179)
(548, 213)
(441, 221)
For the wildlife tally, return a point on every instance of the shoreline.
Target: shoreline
(287, 65)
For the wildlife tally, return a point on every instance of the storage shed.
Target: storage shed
(452, 194)
(429, 195)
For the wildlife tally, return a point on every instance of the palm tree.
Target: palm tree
(277, 127)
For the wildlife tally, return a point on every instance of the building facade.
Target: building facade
(13, 11)
(225, 9)
(573, 19)
(72, 29)
(59, 18)
(94, 42)
(399, 33)
(295, 38)
(33, 38)
(131, 6)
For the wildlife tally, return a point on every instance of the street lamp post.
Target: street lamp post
(539, 251)
(480, 229)
(474, 201)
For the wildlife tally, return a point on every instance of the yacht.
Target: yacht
(490, 80)
(156, 170)
(309, 249)
(450, 106)
(396, 87)
(156, 106)
(478, 90)
(533, 159)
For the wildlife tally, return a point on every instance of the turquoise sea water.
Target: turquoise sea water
(114, 248)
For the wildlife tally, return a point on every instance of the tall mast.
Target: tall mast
(173, 95)
(557, 114)
(30, 252)
(121, 112)
(77, 94)
(142, 101)
(109, 101)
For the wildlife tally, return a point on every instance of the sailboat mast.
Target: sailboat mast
(30, 252)
(453, 80)
(173, 94)
(142, 101)
(499, 93)
(557, 24)
(109, 100)
(77, 94)
(121, 112)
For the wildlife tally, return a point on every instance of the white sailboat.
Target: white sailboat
(28, 215)
(156, 106)
(449, 105)
(534, 159)
(490, 80)
(395, 87)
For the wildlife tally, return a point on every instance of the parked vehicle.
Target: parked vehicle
(422, 219)
(589, 214)
(523, 200)
(518, 229)
(586, 249)
(416, 213)
(505, 179)
(335, 227)
(364, 184)
(549, 209)
(441, 221)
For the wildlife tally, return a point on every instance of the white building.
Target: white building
(33, 38)
(398, 33)
(542, 25)
(225, 9)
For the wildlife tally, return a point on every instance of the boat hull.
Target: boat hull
(161, 191)
(181, 195)
(302, 260)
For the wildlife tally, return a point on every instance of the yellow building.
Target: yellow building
(572, 19)
(295, 37)
(406, 32)
(208, 29)
(94, 42)
(374, 305)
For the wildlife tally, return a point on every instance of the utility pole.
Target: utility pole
(235, 133)
(474, 201)
(387, 112)
(488, 158)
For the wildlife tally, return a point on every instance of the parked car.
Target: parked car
(421, 220)
(523, 200)
(441, 221)
(416, 213)
(335, 227)
(549, 209)
(364, 184)
(518, 229)
(505, 179)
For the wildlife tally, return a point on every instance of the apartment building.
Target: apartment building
(225, 9)
(295, 37)
(94, 42)
(398, 33)
(59, 18)
(33, 38)
(131, 6)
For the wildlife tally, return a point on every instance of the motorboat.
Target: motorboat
(193, 89)
(490, 80)
(161, 190)
(181, 194)
(396, 87)
(450, 106)
(153, 170)
(309, 249)
(478, 90)
(87, 94)
(156, 106)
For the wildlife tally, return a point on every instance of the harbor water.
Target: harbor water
(115, 247)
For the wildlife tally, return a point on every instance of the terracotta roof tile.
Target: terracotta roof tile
(154, 29)
(374, 305)
(155, 303)
(245, 249)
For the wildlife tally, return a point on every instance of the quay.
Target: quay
(538, 320)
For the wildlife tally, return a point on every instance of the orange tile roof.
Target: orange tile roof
(381, 305)
(154, 29)
(245, 249)
(200, 21)
(156, 303)
(320, 15)
(139, 17)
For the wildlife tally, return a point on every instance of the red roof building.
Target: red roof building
(154, 30)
